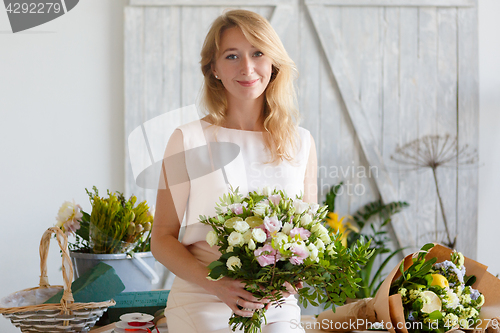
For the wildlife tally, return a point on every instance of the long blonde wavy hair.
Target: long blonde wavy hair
(280, 113)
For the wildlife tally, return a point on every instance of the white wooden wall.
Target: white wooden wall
(374, 74)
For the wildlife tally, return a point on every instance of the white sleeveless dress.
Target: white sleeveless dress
(216, 158)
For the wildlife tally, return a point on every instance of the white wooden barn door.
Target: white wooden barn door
(374, 74)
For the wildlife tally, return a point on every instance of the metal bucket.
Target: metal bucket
(137, 273)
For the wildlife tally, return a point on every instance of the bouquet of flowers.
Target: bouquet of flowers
(267, 239)
(438, 296)
(115, 225)
(427, 292)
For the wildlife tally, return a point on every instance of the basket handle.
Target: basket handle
(67, 266)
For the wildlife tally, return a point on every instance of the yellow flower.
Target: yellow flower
(338, 226)
(439, 280)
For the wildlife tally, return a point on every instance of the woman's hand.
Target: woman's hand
(290, 290)
(233, 293)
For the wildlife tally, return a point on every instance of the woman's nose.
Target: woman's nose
(247, 66)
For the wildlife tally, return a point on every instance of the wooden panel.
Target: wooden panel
(134, 99)
(446, 122)
(468, 125)
(200, 3)
(426, 90)
(336, 59)
(398, 3)
(408, 64)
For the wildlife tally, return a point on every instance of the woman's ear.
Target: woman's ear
(214, 72)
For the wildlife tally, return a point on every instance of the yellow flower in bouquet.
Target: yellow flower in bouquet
(339, 226)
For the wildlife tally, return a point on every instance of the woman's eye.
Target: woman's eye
(258, 54)
(231, 56)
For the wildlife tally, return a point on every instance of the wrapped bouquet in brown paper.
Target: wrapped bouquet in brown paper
(433, 290)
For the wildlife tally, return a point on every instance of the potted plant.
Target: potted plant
(117, 232)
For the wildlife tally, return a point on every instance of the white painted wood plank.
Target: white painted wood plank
(390, 105)
(408, 71)
(212, 3)
(340, 136)
(468, 129)
(281, 18)
(134, 104)
(399, 3)
(446, 121)
(336, 59)
(426, 122)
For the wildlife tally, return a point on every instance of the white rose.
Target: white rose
(232, 262)
(241, 226)
(247, 236)
(251, 245)
(287, 227)
(321, 232)
(212, 238)
(305, 220)
(235, 239)
(300, 206)
(259, 235)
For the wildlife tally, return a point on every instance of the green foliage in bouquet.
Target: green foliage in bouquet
(438, 296)
(267, 239)
(115, 225)
(375, 216)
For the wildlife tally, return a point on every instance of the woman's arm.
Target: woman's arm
(171, 204)
(310, 180)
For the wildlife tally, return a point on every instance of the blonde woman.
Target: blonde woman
(248, 139)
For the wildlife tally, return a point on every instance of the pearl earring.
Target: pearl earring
(217, 77)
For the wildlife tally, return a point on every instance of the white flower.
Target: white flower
(452, 299)
(241, 226)
(300, 206)
(319, 244)
(212, 238)
(305, 220)
(232, 262)
(280, 238)
(287, 227)
(260, 208)
(259, 235)
(69, 217)
(247, 236)
(465, 299)
(450, 320)
(266, 191)
(331, 250)
(321, 232)
(235, 239)
(251, 245)
(229, 249)
(313, 208)
(313, 250)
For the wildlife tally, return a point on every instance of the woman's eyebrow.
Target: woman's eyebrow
(234, 49)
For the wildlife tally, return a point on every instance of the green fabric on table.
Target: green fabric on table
(98, 284)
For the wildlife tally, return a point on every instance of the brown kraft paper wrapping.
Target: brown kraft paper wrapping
(388, 310)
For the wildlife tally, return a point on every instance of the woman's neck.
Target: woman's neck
(245, 115)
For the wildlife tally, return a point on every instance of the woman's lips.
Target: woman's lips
(248, 83)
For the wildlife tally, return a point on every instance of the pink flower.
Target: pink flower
(299, 254)
(237, 208)
(275, 199)
(272, 224)
(266, 255)
(303, 233)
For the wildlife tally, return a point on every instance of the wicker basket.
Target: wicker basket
(66, 316)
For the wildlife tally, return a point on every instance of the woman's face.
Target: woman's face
(243, 69)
